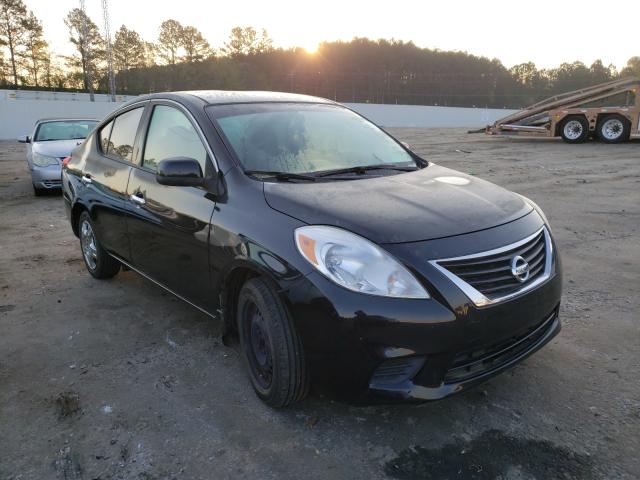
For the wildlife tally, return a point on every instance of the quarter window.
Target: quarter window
(105, 132)
(123, 135)
(171, 134)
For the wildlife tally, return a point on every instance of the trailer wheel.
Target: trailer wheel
(614, 129)
(574, 129)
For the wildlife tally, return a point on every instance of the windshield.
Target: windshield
(64, 130)
(305, 138)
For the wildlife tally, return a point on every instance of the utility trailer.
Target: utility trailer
(609, 111)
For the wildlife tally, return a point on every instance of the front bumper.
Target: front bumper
(473, 371)
(47, 177)
(350, 337)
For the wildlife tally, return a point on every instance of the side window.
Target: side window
(171, 134)
(105, 133)
(123, 134)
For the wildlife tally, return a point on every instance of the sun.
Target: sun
(311, 48)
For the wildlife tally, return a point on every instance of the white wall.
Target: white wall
(20, 109)
(418, 116)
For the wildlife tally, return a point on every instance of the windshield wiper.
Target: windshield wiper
(285, 176)
(362, 169)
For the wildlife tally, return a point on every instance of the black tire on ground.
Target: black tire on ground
(574, 129)
(613, 128)
(38, 192)
(99, 263)
(270, 345)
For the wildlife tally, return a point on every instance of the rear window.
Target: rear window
(121, 133)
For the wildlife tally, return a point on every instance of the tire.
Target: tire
(270, 345)
(99, 263)
(38, 192)
(574, 129)
(613, 128)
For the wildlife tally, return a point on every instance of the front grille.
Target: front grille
(472, 363)
(52, 183)
(490, 274)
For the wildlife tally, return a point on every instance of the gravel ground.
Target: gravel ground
(119, 380)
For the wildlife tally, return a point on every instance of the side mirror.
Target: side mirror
(24, 139)
(180, 172)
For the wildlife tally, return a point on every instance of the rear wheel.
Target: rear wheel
(99, 263)
(271, 347)
(574, 129)
(614, 129)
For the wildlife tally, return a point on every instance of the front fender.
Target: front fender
(250, 259)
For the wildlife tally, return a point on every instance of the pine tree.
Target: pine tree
(247, 41)
(195, 46)
(13, 15)
(128, 49)
(35, 51)
(170, 41)
(85, 35)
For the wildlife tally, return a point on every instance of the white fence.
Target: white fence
(19, 110)
(419, 116)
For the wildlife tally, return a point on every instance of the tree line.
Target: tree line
(360, 70)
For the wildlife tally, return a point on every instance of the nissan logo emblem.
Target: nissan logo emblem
(520, 269)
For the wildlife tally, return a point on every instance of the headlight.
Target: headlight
(356, 263)
(44, 160)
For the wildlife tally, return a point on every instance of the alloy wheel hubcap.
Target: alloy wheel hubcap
(573, 129)
(612, 129)
(88, 244)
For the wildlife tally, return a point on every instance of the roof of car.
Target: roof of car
(218, 97)
(227, 96)
(224, 97)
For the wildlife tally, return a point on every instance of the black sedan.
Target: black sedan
(338, 256)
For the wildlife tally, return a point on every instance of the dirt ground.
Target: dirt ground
(119, 380)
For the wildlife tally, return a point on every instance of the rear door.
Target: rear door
(169, 226)
(105, 178)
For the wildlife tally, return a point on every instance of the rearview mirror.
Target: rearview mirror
(24, 139)
(179, 172)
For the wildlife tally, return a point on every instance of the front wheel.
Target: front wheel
(574, 129)
(99, 263)
(271, 347)
(614, 129)
(37, 191)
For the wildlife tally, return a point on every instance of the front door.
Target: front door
(169, 226)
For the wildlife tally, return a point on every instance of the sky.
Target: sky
(545, 32)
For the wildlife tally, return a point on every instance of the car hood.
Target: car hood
(56, 148)
(434, 202)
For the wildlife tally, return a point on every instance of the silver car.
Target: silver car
(51, 142)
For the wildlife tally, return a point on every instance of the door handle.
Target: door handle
(137, 198)
(86, 179)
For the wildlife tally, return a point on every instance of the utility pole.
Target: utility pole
(88, 77)
(107, 37)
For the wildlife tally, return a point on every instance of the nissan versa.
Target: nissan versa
(340, 257)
